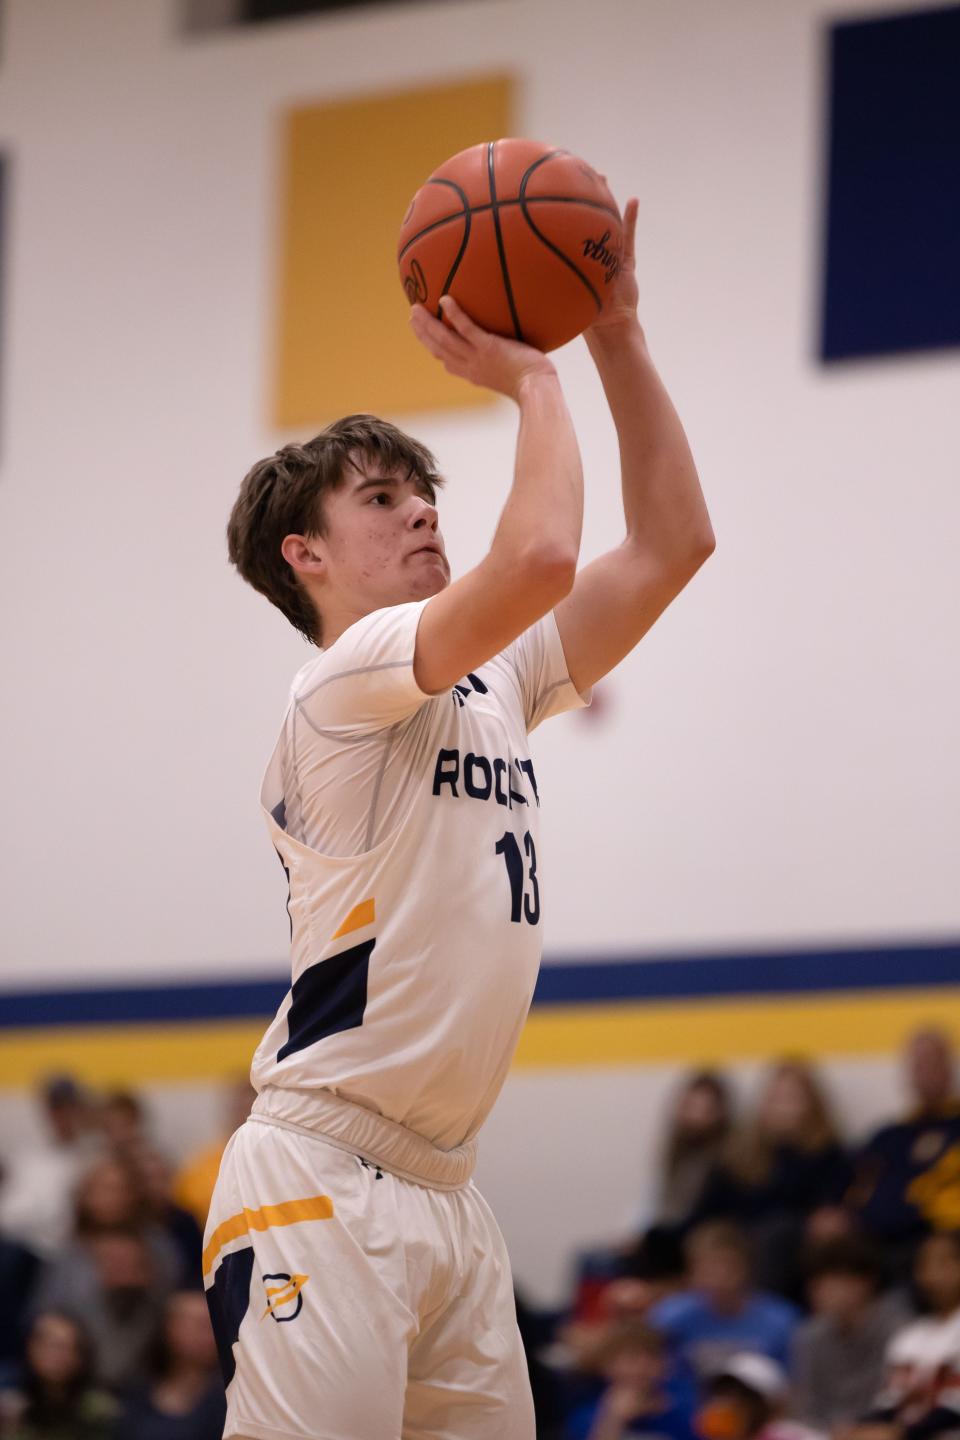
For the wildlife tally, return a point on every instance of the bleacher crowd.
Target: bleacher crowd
(788, 1284)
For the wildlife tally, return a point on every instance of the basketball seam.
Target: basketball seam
(467, 222)
(521, 196)
(502, 205)
(500, 247)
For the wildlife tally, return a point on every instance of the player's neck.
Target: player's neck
(338, 618)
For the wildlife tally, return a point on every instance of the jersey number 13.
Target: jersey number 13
(524, 891)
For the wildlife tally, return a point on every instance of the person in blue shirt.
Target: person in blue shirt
(720, 1314)
(637, 1399)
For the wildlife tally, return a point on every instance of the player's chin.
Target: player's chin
(432, 580)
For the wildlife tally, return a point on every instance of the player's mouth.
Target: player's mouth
(430, 549)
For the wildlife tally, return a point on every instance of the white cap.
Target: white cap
(756, 1372)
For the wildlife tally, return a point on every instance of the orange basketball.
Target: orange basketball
(526, 238)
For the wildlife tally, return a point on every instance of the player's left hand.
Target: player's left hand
(620, 307)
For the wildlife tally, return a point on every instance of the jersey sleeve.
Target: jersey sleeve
(541, 667)
(365, 681)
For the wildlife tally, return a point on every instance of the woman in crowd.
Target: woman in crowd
(778, 1171)
(698, 1135)
(57, 1399)
(184, 1398)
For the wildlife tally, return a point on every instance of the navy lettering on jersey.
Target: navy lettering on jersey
(483, 778)
(472, 765)
(447, 771)
(527, 767)
(516, 797)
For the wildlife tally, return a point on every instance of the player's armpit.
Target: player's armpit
(613, 604)
(479, 615)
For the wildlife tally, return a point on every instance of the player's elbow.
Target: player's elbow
(550, 567)
(693, 550)
(701, 545)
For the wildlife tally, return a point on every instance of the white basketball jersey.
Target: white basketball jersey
(409, 828)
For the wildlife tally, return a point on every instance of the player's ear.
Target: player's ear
(300, 554)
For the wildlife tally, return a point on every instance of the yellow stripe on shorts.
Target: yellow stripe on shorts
(268, 1217)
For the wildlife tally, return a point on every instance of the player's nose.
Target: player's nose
(422, 514)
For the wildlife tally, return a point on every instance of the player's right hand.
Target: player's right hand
(474, 354)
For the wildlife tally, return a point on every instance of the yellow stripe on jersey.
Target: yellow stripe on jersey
(268, 1217)
(360, 915)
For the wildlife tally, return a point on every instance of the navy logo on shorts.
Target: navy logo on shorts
(284, 1300)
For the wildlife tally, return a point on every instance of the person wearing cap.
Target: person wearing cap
(746, 1399)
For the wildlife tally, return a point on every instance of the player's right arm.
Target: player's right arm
(532, 561)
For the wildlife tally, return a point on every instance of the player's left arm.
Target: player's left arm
(616, 599)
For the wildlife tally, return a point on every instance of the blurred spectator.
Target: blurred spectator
(110, 1197)
(57, 1398)
(631, 1358)
(907, 1177)
(720, 1314)
(122, 1120)
(746, 1400)
(18, 1273)
(651, 1269)
(36, 1202)
(193, 1185)
(629, 1285)
(179, 1225)
(549, 1399)
(183, 1399)
(920, 1397)
(698, 1134)
(778, 1170)
(114, 1283)
(838, 1354)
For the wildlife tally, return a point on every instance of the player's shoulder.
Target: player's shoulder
(380, 639)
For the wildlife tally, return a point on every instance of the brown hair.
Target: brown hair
(750, 1154)
(717, 1235)
(283, 495)
(678, 1145)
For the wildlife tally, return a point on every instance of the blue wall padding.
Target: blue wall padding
(892, 253)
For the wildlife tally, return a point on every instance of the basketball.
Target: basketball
(526, 238)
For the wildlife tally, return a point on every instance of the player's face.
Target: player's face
(382, 544)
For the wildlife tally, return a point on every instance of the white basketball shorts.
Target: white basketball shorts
(352, 1304)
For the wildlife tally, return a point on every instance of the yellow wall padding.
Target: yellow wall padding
(350, 168)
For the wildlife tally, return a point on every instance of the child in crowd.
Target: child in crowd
(636, 1401)
(746, 1400)
(57, 1398)
(838, 1354)
(720, 1314)
(920, 1396)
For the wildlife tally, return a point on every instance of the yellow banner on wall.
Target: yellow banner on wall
(350, 168)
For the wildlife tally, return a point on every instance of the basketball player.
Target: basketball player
(358, 1283)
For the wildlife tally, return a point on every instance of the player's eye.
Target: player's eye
(380, 495)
